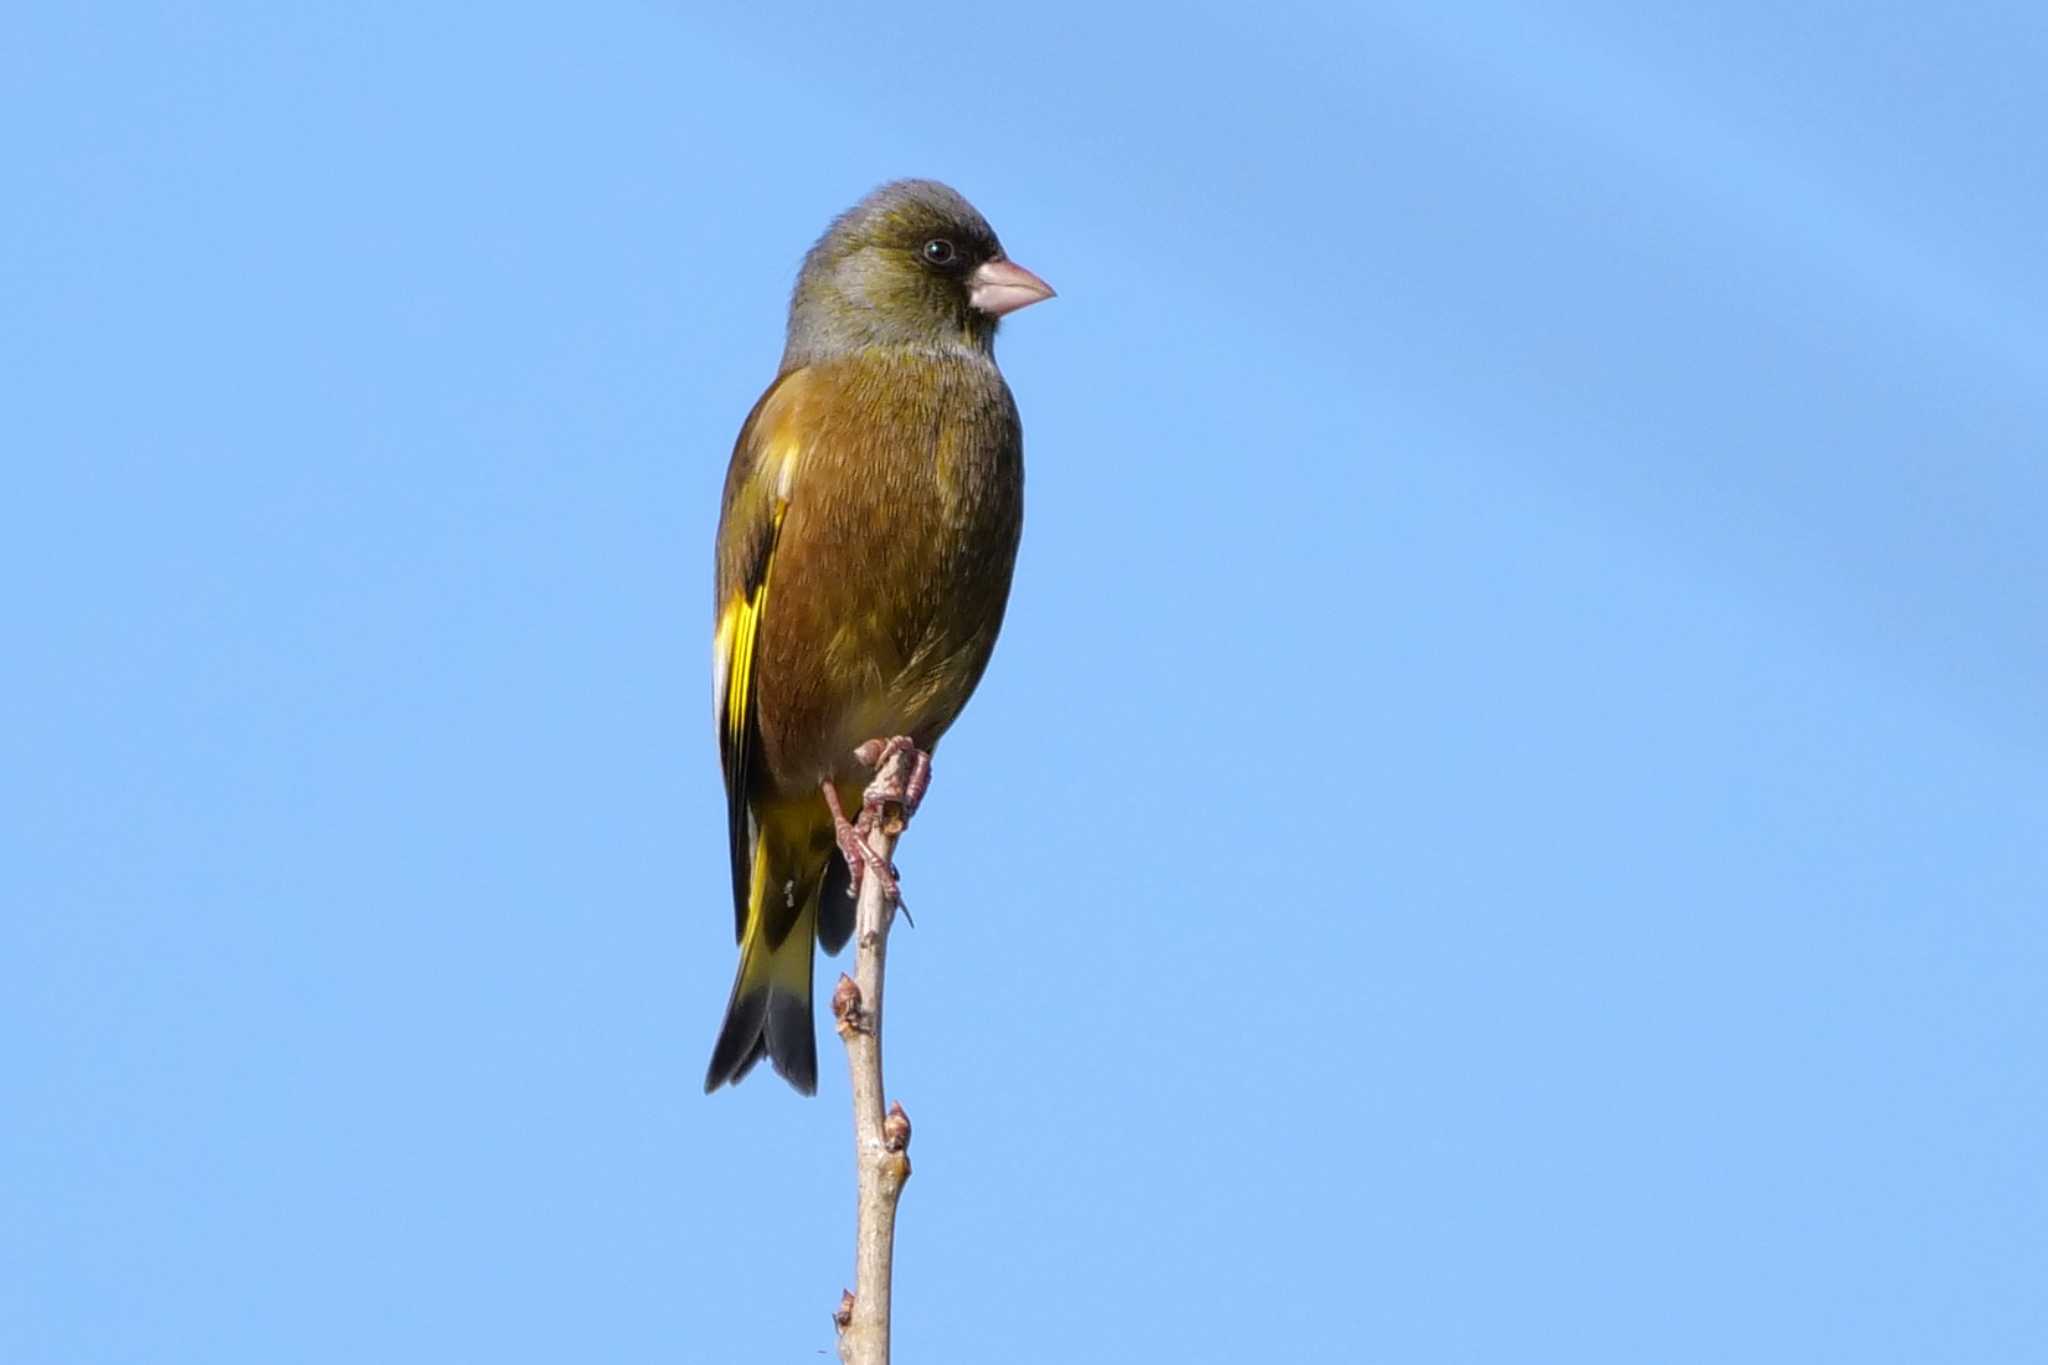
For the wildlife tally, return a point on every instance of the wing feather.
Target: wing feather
(757, 488)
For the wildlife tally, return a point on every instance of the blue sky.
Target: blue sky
(1508, 822)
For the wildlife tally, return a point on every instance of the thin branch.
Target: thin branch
(881, 1141)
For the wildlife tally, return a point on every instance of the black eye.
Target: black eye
(939, 251)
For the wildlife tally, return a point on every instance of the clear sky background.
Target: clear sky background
(1509, 821)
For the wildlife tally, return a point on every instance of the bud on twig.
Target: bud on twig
(846, 1011)
(896, 1129)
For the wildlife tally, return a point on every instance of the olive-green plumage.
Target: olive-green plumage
(872, 510)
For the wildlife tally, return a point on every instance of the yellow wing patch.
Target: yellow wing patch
(738, 625)
(733, 694)
(732, 649)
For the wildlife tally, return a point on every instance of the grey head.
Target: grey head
(911, 266)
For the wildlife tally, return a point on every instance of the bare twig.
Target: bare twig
(881, 1141)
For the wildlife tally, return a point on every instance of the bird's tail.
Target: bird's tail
(770, 1010)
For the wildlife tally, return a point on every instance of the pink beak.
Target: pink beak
(999, 287)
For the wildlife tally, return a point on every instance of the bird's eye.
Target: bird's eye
(939, 251)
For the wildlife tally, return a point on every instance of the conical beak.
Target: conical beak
(999, 287)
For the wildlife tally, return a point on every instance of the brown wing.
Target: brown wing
(748, 527)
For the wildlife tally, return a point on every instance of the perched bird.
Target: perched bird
(872, 510)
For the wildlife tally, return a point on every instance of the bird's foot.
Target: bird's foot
(853, 846)
(902, 773)
(889, 758)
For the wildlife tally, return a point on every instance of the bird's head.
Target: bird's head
(911, 265)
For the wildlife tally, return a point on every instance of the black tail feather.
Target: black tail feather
(835, 906)
(766, 1022)
(741, 1040)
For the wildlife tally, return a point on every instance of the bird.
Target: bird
(865, 547)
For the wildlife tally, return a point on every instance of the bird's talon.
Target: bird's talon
(891, 785)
